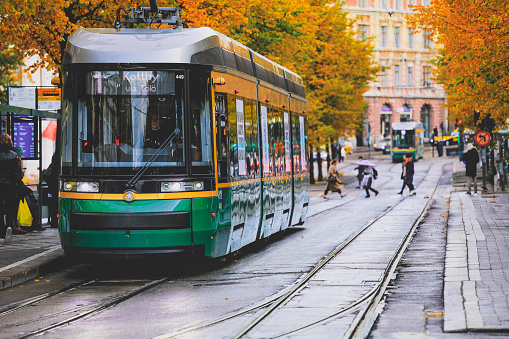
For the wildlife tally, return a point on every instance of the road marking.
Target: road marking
(52, 249)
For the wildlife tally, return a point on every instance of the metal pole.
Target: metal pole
(483, 155)
(39, 185)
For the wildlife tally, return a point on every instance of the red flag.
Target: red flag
(51, 131)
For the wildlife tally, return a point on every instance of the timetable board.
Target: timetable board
(24, 135)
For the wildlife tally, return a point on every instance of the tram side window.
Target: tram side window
(232, 119)
(254, 136)
(278, 147)
(272, 141)
(241, 137)
(296, 143)
(68, 94)
(222, 136)
(288, 151)
(201, 133)
(248, 122)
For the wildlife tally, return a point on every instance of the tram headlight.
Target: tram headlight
(198, 185)
(182, 186)
(68, 186)
(172, 187)
(87, 186)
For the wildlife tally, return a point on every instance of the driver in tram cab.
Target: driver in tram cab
(156, 133)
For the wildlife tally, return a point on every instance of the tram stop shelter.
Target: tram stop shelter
(25, 126)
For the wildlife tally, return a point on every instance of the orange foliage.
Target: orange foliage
(473, 64)
(312, 38)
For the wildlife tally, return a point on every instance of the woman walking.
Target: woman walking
(333, 182)
(10, 174)
(408, 174)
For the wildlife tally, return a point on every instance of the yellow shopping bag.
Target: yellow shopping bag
(24, 216)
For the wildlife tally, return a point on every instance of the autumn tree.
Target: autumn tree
(9, 65)
(42, 27)
(311, 37)
(473, 61)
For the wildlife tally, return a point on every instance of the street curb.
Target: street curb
(47, 263)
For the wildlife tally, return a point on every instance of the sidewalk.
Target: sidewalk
(30, 255)
(476, 281)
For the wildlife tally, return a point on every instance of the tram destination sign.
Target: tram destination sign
(132, 82)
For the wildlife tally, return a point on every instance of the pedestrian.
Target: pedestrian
(360, 172)
(333, 182)
(10, 174)
(471, 158)
(369, 174)
(16, 229)
(50, 175)
(408, 174)
(342, 153)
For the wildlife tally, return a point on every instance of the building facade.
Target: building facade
(404, 89)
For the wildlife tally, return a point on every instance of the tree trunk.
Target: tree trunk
(311, 166)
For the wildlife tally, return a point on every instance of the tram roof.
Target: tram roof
(407, 125)
(186, 45)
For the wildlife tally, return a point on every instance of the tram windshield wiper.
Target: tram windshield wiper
(145, 167)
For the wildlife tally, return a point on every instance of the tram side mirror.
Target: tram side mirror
(86, 146)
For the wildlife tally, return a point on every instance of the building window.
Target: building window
(410, 38)
(396, 76)
(363, 32)
(384, 36)
(363, 3)
(397, 36)
(426, 76)
(425, 2)
(397, 4)
(428, 43)
(410, 2)
(410, 76)
(383, 78)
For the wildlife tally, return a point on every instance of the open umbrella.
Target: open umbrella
(366, 163)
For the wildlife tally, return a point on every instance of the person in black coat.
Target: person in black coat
(50, 175)
(10, 174)
(360, 172)
(408, 174)
(471, 158)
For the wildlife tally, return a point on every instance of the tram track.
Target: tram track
(365, 305)
(62, 318)
(55, 319)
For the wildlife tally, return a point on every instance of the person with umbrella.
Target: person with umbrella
(369, 174)
(360, 171)
(333, 182)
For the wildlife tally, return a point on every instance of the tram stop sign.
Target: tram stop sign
(482, 138)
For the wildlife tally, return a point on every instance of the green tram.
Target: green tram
(407, 137)
(177, 140)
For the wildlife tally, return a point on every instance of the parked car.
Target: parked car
(347, 145)
(383, 145)
(447, 139)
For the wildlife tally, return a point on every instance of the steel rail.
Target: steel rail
(363, 322)
(286, 294)
(112, 302)
(376, 293)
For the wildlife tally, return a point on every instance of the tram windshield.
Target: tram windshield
(124, 117)
(403, 138)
